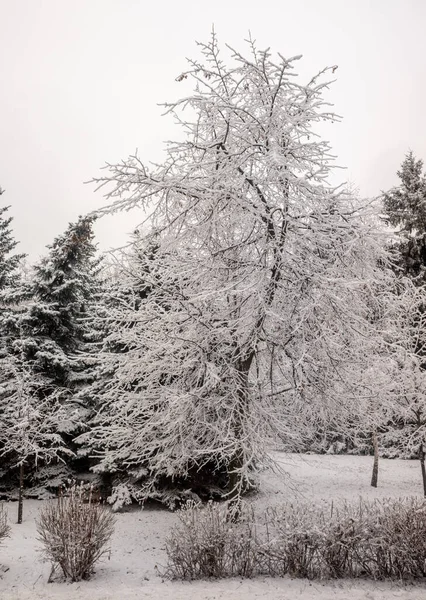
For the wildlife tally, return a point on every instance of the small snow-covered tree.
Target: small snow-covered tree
(405, 411)
(261, 287)
(28, 422)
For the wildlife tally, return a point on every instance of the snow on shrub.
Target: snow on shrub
(379, 539)
(4, 527)
(75, 532)
(294, 538)
(395, 543)
(209, 542)
(121, 496)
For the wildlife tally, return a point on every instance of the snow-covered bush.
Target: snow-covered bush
(395, 543)
(294, 540)
(209, 542)
(380, 539)
(4, 527)
(120, 497)
(75, 532)
(318, 540)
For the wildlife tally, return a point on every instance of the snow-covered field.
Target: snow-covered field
(138, 544)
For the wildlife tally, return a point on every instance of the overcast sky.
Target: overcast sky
(81, 81)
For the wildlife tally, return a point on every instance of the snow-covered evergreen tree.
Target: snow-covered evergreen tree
(405, 208)
(9, 262)
(260, 291)
(10, 295)
(11, 288)
(54, 326)
(54, 330)
(115, 311)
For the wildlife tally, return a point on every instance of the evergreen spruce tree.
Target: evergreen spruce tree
(10, 289)
(9, 262)
(124, 288)
(405, 207)
(54, 331)
(11, 295)
(54, 325)
(11, 286)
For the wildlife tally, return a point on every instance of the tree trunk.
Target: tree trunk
(422, 464)
(234, 496)
(21, 489)
(234, 472)
(237, 462)
(375, 473)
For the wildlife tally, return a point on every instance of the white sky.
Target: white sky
(81, 81)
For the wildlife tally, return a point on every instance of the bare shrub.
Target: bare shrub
(4, 527)
(210, 542)
(75, 532)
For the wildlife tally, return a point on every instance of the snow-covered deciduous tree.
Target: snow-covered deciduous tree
(405, 412)
(28, 423)
(261, 290)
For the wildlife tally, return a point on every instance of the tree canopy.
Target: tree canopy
(263, 285)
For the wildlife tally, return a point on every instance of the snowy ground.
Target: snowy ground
(138, 544)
